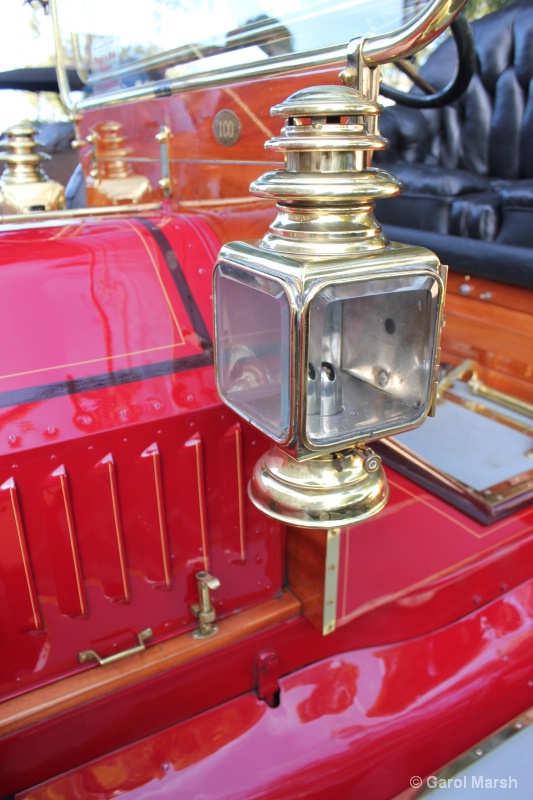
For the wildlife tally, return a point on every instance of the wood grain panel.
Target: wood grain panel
(306, 570)
(491, 292)
(492, 324)
(202, 168)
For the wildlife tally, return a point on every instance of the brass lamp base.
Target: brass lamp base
(323, 492)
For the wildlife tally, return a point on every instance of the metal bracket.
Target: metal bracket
(163, 137)
(91, 140)
(203, 610)
(266, 677)
(358, 74)
(142, 637)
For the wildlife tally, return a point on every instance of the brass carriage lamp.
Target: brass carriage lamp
(24, 186)
(326, 332)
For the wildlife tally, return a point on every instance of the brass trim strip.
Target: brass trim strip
(481, 389)
(490, 413)
(240, 484)
(227, 201)
(331, 579)
(74, 213)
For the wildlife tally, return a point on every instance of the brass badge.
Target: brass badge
(227, 128)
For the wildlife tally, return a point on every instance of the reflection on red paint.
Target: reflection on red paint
(335, 690)
(330, 737)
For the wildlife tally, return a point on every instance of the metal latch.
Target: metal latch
(266, 677)
(203, 610)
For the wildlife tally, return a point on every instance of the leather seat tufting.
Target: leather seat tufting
(468, 168)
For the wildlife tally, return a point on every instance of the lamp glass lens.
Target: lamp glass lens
(371, 354)
(253, 352)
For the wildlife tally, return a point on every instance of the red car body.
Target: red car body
(122, 475)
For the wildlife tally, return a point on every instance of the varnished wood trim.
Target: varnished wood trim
(306, 570)
(491, 293)
(65, 695)
(491, 323)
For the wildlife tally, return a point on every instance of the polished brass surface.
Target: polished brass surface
(480, 389)
(326, 249)
(163, 138)
(490, 412)
(203, 610)
(412, 37)
(323, 492)
(112, 181)
(75, 213)
(325, 234)
(24, 186)
(92, 655)
(331, 580)
(326, 193)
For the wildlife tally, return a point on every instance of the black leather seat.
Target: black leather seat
(468, 168)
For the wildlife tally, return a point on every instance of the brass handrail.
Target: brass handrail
(74, 213)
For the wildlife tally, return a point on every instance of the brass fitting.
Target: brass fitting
(24, 186)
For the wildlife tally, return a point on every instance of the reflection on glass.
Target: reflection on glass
(212, 34)
(370, 357)
(252, 335)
